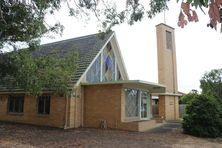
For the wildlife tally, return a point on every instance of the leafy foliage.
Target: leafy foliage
(190, 14)
(186, 99)
(35, 74)
(211, 83)
(214, 11)
(156, 6)
(135, 10)
(203, 117)
(23, 21)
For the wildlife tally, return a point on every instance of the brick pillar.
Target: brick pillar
(161, 107)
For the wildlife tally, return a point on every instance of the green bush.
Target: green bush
(187, 98)
(203, 117)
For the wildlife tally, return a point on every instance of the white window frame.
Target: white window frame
(101, 67)
(148, 106)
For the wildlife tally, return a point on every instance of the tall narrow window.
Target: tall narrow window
(44, 104)
(16, 104)
(93, 75)
(169, 40)
(144, 104)
(119, 76)
(108, 64)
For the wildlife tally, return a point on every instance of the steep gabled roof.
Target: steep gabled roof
(86, 46)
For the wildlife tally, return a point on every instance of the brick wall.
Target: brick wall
(169, 107)
(56, 118)
(106, 102)
(102, 102)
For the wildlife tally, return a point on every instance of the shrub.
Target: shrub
(203, 117)
(187, 98)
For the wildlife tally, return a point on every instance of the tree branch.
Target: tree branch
(1, 15)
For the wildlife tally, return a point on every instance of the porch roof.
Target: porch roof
(152, 87)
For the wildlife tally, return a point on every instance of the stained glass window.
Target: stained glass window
(108, 64)
(119, 76)
(93, 74)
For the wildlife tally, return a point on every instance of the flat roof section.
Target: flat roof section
(152, 87)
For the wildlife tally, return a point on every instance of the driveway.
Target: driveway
(168, 135)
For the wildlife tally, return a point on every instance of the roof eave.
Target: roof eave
(152, 87)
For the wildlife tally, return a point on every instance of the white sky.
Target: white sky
(197, 46)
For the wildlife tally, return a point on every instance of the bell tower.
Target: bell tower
(167, 72)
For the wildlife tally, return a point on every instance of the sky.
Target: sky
(198, 47)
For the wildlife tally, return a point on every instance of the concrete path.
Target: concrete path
(166, 127)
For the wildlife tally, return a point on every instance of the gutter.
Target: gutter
(166, 94)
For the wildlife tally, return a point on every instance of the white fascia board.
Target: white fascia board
(167, 94)
(121, 58)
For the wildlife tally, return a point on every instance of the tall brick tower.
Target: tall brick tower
(167, 72)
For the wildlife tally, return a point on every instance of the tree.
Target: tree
(203, 117)
(211, 83)
(23, 21)
(34, 74)
(186, 99)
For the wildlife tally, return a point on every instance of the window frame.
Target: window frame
(116, 73)
(139, 117)
(44, 97)
(148, 115)
(20, 106)
(138, 103)
(108, 53)
(169, 40)
(94, 72)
